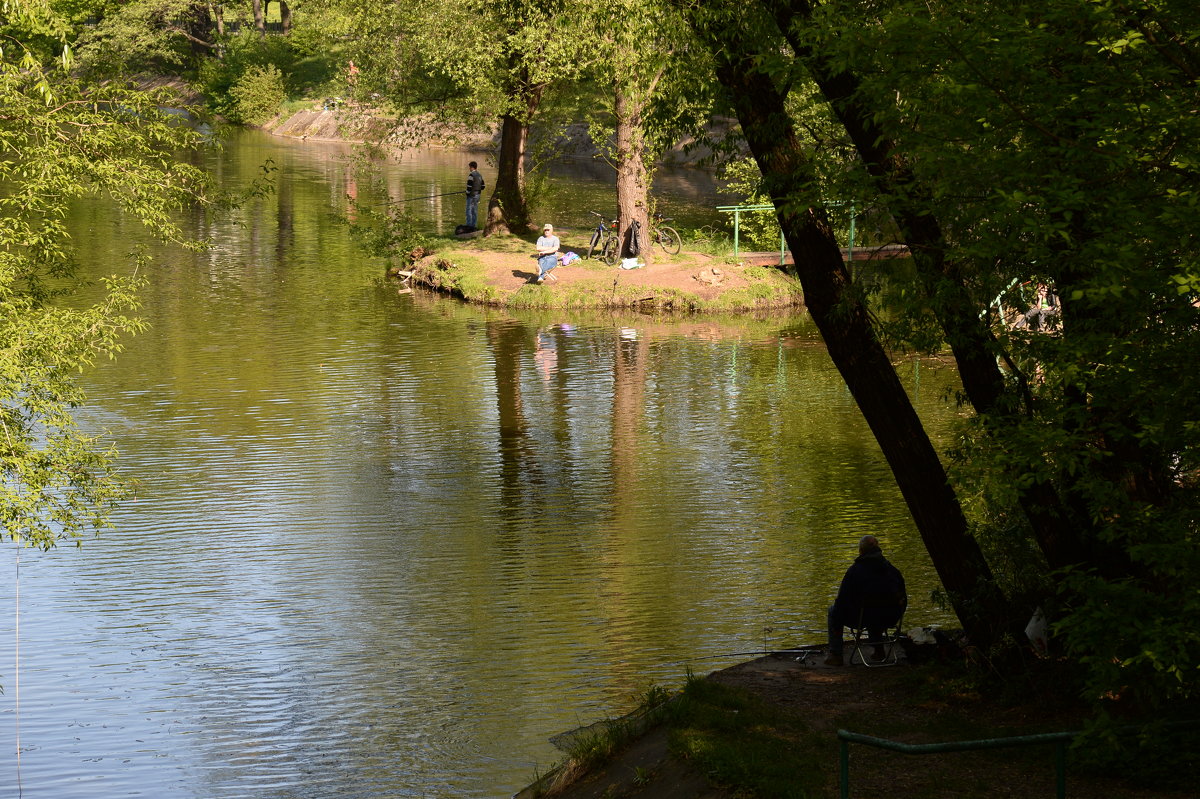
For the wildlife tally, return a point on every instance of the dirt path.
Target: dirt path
(690, 272)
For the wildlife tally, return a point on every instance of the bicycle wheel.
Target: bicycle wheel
(669, 240)
(592, 245)
(612, 250)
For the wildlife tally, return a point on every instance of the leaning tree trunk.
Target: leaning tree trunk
(845, 324)
(1061, 530)
(633, 180)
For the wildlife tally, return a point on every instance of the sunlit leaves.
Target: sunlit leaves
(62, 142)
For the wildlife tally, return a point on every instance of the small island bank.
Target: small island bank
(501, 271)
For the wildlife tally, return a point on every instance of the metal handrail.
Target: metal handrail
(1059, 739)
(737, 210)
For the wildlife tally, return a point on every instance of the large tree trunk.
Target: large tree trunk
(633, 182)
(285, 17)
(260, 19)
(507, 210)
(845, 325)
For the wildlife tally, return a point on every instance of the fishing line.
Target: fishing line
(17, 660)
(802, 650)
(412, 199)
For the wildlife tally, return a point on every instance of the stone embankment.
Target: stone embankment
(335, 120)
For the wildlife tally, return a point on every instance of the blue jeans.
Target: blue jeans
(472, 209)
(546, 263)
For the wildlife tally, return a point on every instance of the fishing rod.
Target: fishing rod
(427, 197)
(797, 651)
(411, 199)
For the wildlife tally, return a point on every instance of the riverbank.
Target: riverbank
(335, 119)
(768, 727)
(353, 123)
(501, 271)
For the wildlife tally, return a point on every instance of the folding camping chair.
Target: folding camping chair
(889, 641)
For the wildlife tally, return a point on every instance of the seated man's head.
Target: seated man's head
(868, 543)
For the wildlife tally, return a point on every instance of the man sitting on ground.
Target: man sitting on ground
(872, 593)
(547, 252)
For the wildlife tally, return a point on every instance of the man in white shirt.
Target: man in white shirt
(547, 248)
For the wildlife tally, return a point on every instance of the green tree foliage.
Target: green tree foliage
(63, 142)
(256, 95)
(1058, 148)
(643, 75)
(1015, 147)
(150, 35)
(471, 63)
(216, 46)
(756, 229)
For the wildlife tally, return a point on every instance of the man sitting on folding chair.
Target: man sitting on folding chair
(872, 595)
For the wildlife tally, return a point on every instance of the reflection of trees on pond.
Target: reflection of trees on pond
(629, 366)
(519, 470)
(535, 435)
(285, 216)
(629, 381)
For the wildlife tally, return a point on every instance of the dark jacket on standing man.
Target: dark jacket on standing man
(474, 183)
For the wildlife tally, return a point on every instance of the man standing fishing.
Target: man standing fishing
(474, 189)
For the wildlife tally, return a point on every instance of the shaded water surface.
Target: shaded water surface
(387, 545)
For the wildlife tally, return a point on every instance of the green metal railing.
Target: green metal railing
(1059, 739)
(737, 211)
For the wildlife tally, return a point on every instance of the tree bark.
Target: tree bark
(633, 183)
(507, 209)
(845, 324)
(260, 19)
(197, 28)
(217, 14)
(285, 17)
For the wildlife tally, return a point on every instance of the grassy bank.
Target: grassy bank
(498, 271)
(768, 729)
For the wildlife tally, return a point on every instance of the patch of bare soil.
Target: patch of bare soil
(690, 272)
(873, 702)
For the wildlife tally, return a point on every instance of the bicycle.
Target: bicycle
(604, 240)
(665, 236)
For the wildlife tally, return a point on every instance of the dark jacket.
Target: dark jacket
(474, 183)
(872, 583)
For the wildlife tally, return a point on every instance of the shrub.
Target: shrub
(256, 96)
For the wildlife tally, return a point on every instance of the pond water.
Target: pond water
(388, 545)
